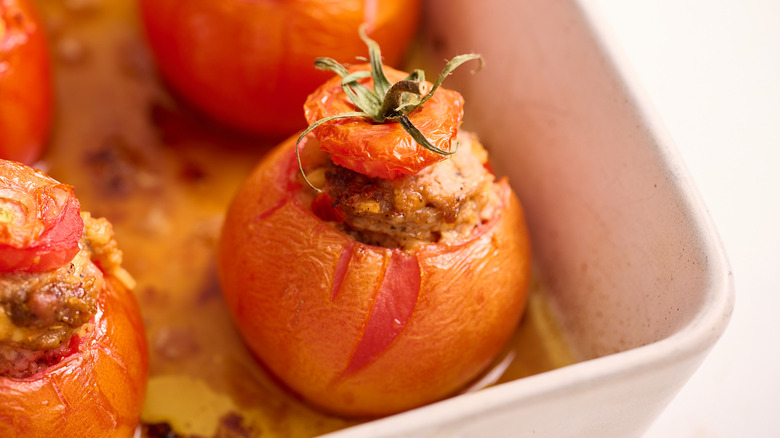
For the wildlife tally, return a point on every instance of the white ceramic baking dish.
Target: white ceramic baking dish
(629, 257)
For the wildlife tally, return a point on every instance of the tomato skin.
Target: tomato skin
(42, 223)
(360, 330)
(25, 83)
(97, 391)
(383, 150)
(250, 64)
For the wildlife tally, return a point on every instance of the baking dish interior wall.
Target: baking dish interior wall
(617, 247)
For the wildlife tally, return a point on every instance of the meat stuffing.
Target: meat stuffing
(40, 312)
(443, 203)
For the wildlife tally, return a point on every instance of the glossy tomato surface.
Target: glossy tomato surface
(361, 330)
(41, 221)
(25, 82)
(383, 150)
(250, 64)
(97, 391)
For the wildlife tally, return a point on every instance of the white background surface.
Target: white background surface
(711, 68)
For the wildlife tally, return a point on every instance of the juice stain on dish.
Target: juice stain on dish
(163, 175)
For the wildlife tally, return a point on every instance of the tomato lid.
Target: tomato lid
(382, 122)
(383, 150)
(40, 220)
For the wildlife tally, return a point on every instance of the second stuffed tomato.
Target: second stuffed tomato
(373, 293)
(73, 352)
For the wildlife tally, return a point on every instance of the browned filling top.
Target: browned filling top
(444, 203)
(40, 312)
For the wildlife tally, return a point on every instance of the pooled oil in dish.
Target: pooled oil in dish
(250, 404)
(164, 177)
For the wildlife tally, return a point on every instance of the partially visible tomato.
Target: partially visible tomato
(40, 220)
(25, 82)
(97, 387)
(96, 391)
(249, 64)
(383, 150)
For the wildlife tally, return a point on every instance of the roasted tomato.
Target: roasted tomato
(248, 63)
(25, 82)
(73, 353)
(370, 295)
(359, 329)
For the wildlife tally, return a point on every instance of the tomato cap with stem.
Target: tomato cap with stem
(386, 102)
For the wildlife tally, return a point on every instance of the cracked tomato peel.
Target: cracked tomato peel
(96, 390)
(361, 330)
(25, 82)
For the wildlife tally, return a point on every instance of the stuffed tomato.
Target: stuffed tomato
(73, 356)
(370, 293)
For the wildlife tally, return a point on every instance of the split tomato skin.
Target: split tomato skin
(96, 391)
(26, 96)
(250, 64)
(360, 330)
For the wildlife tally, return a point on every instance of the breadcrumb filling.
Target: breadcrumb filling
(444, 203)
